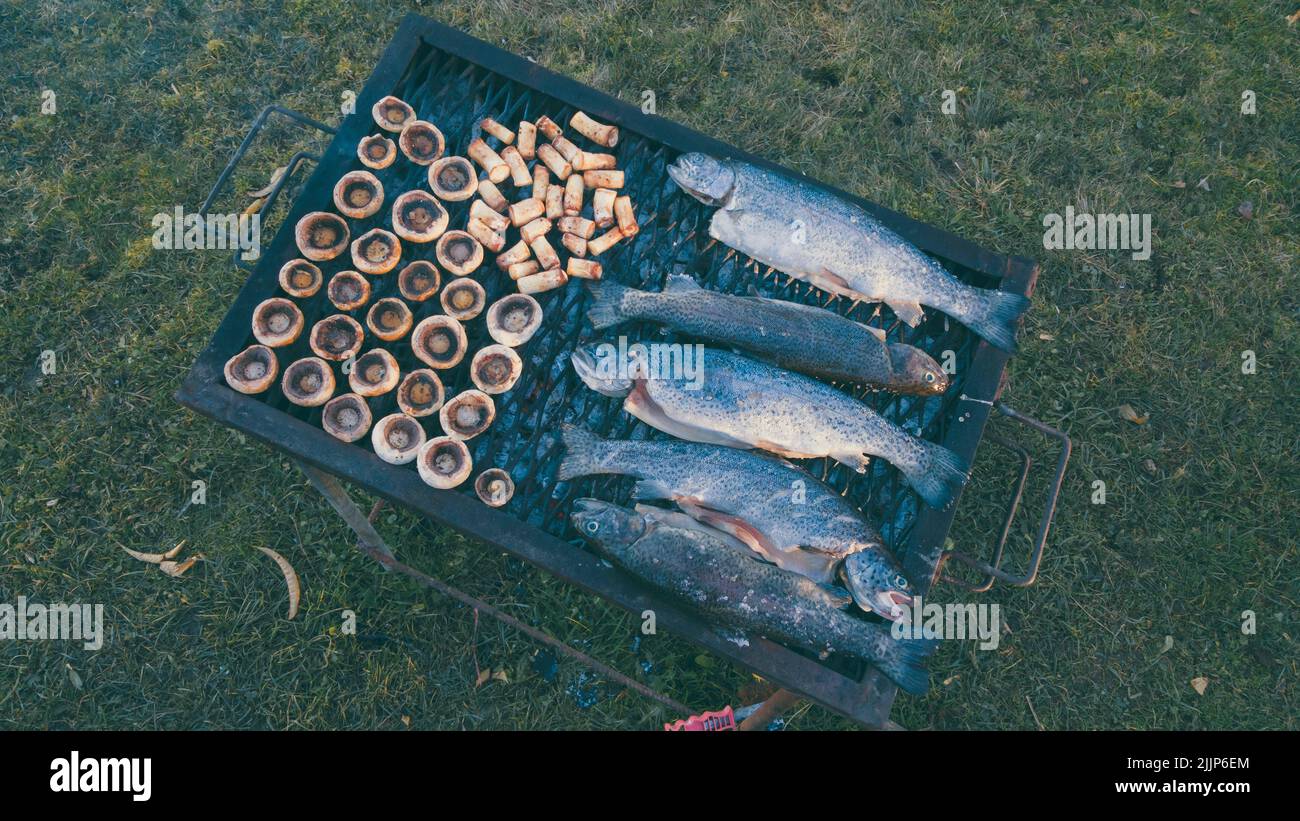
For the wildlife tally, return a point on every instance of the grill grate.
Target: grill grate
(455, 94)
(454, 81)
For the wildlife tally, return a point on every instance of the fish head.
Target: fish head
(604, 368)
(877, 584)
(709, 180)
(608, 527)
(915, 371)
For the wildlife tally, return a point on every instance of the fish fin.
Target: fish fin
(782, 451)
(818, 568)
(732, 525)
(994, 316)
(939, 475)
(905, 664)
(681, 282)
(878, 333)
(651, 489)
(909, 312)
(835, 595)
(583, 453)
(643, 408)
(857, 461)
(606, 304)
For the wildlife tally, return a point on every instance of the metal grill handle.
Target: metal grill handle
(290, 166)
(993, 570)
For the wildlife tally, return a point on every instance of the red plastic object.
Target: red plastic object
(710, 722)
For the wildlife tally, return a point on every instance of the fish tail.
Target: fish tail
(584, 453)
(938, 475)
(993, 315)
(607, 303)
(904, 663)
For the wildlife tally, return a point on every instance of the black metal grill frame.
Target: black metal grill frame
(487, 81)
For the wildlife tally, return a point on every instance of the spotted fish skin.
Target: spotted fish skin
(779, 511)
(802, 338)
(836, 246)
(732, 589)
(743, 403)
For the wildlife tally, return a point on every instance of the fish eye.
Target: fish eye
(592, 527)
(929, 376)
(900, 581)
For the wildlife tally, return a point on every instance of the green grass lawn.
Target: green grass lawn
(1108, 107)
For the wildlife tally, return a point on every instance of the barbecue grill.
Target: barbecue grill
(455, 80)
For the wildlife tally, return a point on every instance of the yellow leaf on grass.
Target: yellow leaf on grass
(1199, 684)
(1127, 413)
(483, 676)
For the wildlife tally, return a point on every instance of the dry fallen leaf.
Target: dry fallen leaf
(1246, 210)
(1204, 184)
(275, 178)
(73, 677)
(1127, 413)
(290, 580)
(1199, 684)
(175, 569)
(1149, 466)
(155, 558)
(1291, 21)
(483, 677)
(501, 676)
(1179, 184)
(1046, 337)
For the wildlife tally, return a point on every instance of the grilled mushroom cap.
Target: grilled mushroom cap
(453, 179)
(439, 342)
(467, 414)
(374, 373)
(346, 417)
(308, 382)
(421, 142)
(418, 217)
(321, 235)
(337, 337)
(252, 370)
(494, 487)
(463, 299)
(348, 290)
(459, 253)
(495, 369)
(444, 462)
(376, 252)
(376, 151)
(389, 319)
(397, 438)
(419, 280)
(277, 322)
(358, 194)
(512, 320)
(391, 114)
(300, 278)
(420, 393)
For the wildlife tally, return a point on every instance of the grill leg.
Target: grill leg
(339, 499)
(776, 705)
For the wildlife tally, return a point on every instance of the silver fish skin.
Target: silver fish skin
(743, 403)
(815, 236)
(802, 338)
(775, 509)
(730, 588)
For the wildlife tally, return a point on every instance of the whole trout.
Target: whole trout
(731, 588)
(801, 338)
(817, 237)
(779, 511)
(743, 403)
